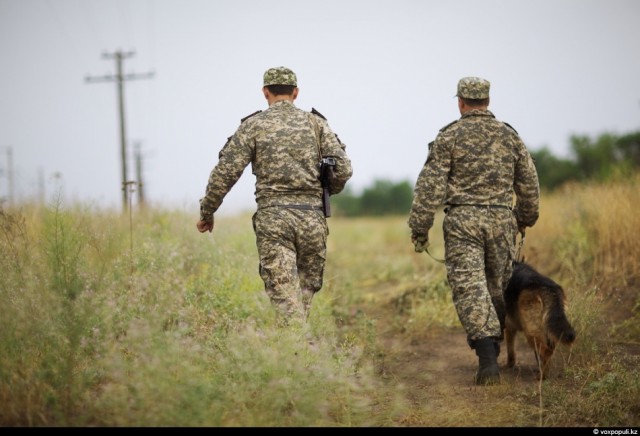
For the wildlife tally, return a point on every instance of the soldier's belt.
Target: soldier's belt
(489, 206)
(297, 206)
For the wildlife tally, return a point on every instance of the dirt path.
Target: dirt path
(434, 373)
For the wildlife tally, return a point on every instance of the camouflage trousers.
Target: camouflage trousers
(292, 249)
(479, 250)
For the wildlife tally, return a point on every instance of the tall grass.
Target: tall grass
(184, 337)
(586, 240)
(140, 320)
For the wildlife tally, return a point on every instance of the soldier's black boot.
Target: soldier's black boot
(488, 370)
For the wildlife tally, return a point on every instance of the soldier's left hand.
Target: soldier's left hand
(420, 242)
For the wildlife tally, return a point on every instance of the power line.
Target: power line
(120, 78)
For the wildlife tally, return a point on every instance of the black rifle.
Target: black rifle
(326, 174)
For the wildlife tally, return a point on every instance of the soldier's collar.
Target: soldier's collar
(478, 113)
(281, 103)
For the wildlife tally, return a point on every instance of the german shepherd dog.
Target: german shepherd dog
(535, 305)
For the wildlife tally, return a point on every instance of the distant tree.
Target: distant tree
(552, 171)
(628, 148)
(387, 198)
(383, 198)
(595, 160)
(345, 203)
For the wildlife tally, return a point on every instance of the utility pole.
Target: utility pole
(120, 78)
(138, 159)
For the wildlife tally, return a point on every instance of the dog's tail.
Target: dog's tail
(557, 323)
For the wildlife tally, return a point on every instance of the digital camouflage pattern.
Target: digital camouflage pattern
(280, 144)
(479, 247)
(284, 145)
(474, 161)
(279, 76)
(473, 87)
(292, 248)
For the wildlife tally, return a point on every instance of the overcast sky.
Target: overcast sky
(382, 72)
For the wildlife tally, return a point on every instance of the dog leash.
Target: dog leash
(517, 258)
(431, 255)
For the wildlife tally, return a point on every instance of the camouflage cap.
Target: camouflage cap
(473, 87)
(280, 76)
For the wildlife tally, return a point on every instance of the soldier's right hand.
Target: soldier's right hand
(204, 226)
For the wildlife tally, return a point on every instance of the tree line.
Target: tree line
(603, 158)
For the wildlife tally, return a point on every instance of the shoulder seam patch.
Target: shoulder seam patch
(315, 112)
(510, 126)
(242, 120)
(449, 125)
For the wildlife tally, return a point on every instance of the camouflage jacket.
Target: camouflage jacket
(283, 145)
(476, 160)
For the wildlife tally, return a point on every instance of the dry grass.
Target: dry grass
(108, 322)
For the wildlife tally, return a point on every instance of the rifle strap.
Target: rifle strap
(316, 130)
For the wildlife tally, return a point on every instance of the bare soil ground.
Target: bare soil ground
(434, 372)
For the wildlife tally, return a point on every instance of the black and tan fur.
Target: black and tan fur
(535, 306)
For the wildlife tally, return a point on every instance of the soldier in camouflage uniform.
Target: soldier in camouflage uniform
(476, 167)
(284, 146)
